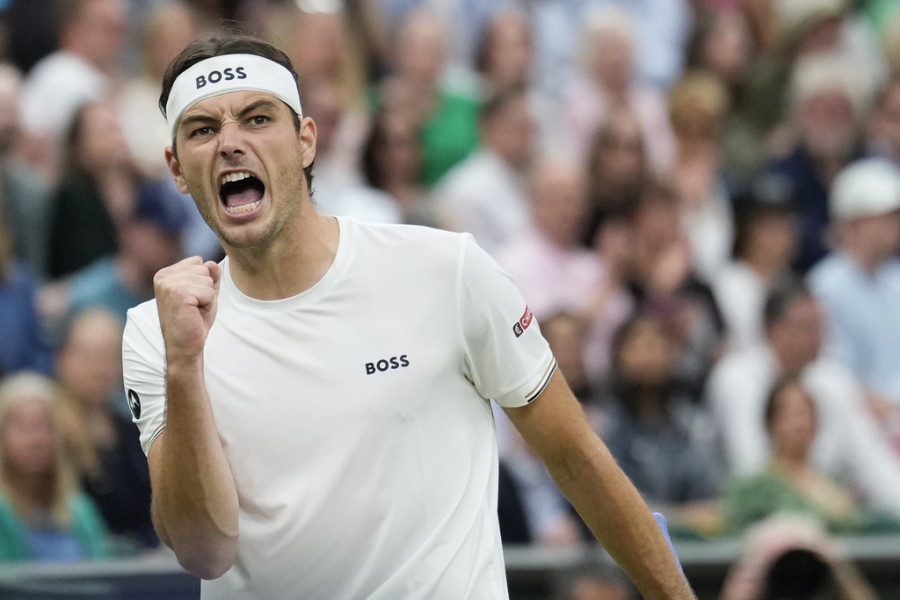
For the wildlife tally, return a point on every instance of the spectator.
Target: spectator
(504, 56)
(82, 69)
(661, 30)
(338, 188)
(790, 482)
(447, 117)
(658, 434)
(23, 195)
(805, 30)
(321, 44)
(608, 80)
(661, 279)
(698, 105)
(392, 162)
(43, 515)
(849, 446)
(723, 45)
(102, 442)
(764, 245)
(884, 124)
(95, 194)
(555, 272)
(22, 344)
(858, 283)
(616, 164)
(791, 556)
(826, 111)
(485, 194)
(167, 29)
(148, 241)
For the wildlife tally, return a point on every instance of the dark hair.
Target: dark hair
(799, 574)
(768, 196)
(624, 332)
(73, 135)
(373, 147)
(781, 297)
(200, 50)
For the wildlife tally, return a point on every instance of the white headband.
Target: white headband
(229, 73)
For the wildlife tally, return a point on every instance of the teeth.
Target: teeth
(243, 208)
(229, 177)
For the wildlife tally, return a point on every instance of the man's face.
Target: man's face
(511, 132)
(241, 158)
(799, 333)
(828, 124)
(878, 234)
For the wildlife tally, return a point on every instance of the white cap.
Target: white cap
(865, 188)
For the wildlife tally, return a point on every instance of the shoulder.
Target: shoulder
(98, 273)
(748, 366)
(142, 326)
(411, 241)
(830, 274)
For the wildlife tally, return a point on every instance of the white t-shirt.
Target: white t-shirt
(356, 420)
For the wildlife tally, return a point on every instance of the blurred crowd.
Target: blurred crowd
(699, 199)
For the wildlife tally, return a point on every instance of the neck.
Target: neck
(290, 266)
(866, 261)
(791, 464)
(764, 265)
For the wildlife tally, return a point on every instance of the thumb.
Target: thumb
(215, 271)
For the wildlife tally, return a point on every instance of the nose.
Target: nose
(230, 142)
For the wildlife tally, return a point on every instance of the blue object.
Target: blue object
(664, 527)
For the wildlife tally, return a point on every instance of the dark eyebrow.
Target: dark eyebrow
(258, 105)
(202, 119)
(196, 120)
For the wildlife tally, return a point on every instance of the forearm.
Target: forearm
(621, 521)
(555, 427)
(195, 506)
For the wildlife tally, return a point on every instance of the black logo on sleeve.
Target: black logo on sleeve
(387, 364)
(134, 404)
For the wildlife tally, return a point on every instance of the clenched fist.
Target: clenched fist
(186, 295)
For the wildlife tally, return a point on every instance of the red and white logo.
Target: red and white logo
(524, 322)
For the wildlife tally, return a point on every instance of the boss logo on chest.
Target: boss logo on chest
(226, 74)
(387, 364)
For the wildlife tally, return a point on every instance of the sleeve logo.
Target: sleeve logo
(134, 404)
(523, 323)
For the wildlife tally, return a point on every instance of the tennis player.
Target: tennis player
(316, 407)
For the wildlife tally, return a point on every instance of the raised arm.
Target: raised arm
(554, 426)
(195, 506)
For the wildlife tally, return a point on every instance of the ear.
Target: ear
(175, 169)
(308, 135)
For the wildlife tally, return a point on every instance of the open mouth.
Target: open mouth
(240, 192)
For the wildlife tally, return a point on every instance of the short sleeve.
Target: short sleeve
(506, 357)
(143, 365)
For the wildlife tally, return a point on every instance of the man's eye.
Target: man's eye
(259, 119)
(200, 131)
